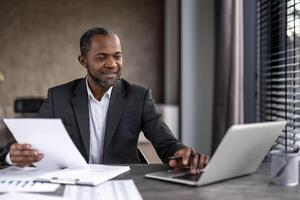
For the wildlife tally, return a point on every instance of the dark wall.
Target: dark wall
(39, 42)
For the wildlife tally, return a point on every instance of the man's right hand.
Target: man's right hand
(22, 155)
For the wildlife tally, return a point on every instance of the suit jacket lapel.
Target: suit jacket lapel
(80, 106)
(116, 107)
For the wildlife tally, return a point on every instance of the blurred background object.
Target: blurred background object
(27, 107)
(1, 77)
(37, 56)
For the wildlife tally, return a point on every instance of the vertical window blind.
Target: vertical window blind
(278, 73)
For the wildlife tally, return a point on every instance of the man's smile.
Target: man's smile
(109, 74)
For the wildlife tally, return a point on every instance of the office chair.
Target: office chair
(27, 105)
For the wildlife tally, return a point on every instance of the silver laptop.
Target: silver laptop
(241, 151)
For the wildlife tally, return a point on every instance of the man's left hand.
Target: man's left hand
(187, 158)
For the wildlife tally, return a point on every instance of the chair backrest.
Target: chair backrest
(27, 105)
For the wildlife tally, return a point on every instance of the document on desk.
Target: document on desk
(26, 186)
(50, 137)
(110, 190)
(14, 179)
(90, 177)
(26, 173)
(24, 196)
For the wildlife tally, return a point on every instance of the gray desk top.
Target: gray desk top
(255, 186)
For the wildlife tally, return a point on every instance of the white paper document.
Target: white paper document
(24, 196)
(14, 179)
(17, 173)
(94, 176)
(110, 190)
(49, 137)
(26, 186)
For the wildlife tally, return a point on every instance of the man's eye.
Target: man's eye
(100, 58)
(118, 57)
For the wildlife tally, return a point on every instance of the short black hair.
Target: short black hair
(85, 40)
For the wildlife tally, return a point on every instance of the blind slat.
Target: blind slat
(278, 60)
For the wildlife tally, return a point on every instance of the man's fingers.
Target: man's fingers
(194, 163)
(20, 146)
(198, 162)
(16, 159)
(26, 160)
(201, 162)
(24, 153)
(173, 163)
(187, 156)
(206, 161)
(40, 156)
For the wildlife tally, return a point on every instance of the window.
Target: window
(278, 73)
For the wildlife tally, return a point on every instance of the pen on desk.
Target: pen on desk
(175, 157)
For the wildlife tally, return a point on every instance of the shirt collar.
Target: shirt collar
(90, 94)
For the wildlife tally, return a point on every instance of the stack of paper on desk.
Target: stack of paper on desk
(91, 177)
(110, 190)
(13, 179)
(22, 196)
(26, 186)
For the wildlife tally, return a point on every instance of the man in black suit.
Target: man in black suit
(104, 114)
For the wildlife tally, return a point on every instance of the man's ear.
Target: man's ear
(82, 60)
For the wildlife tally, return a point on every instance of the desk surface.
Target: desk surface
(255, 186)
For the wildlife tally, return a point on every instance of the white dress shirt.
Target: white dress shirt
(97, 118)
(7, 159)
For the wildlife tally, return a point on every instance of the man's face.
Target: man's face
(104, 60)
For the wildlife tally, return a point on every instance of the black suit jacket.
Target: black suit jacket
(131, 110)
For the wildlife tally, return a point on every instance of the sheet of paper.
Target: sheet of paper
(14, 179)
(50, 137)
(94, 176)
(25, 196)
(26, 186)
(110, 190)
(17, 173)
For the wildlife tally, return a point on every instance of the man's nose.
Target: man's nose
(110, 62)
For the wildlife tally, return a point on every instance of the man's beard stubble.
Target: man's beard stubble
(103, 83)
